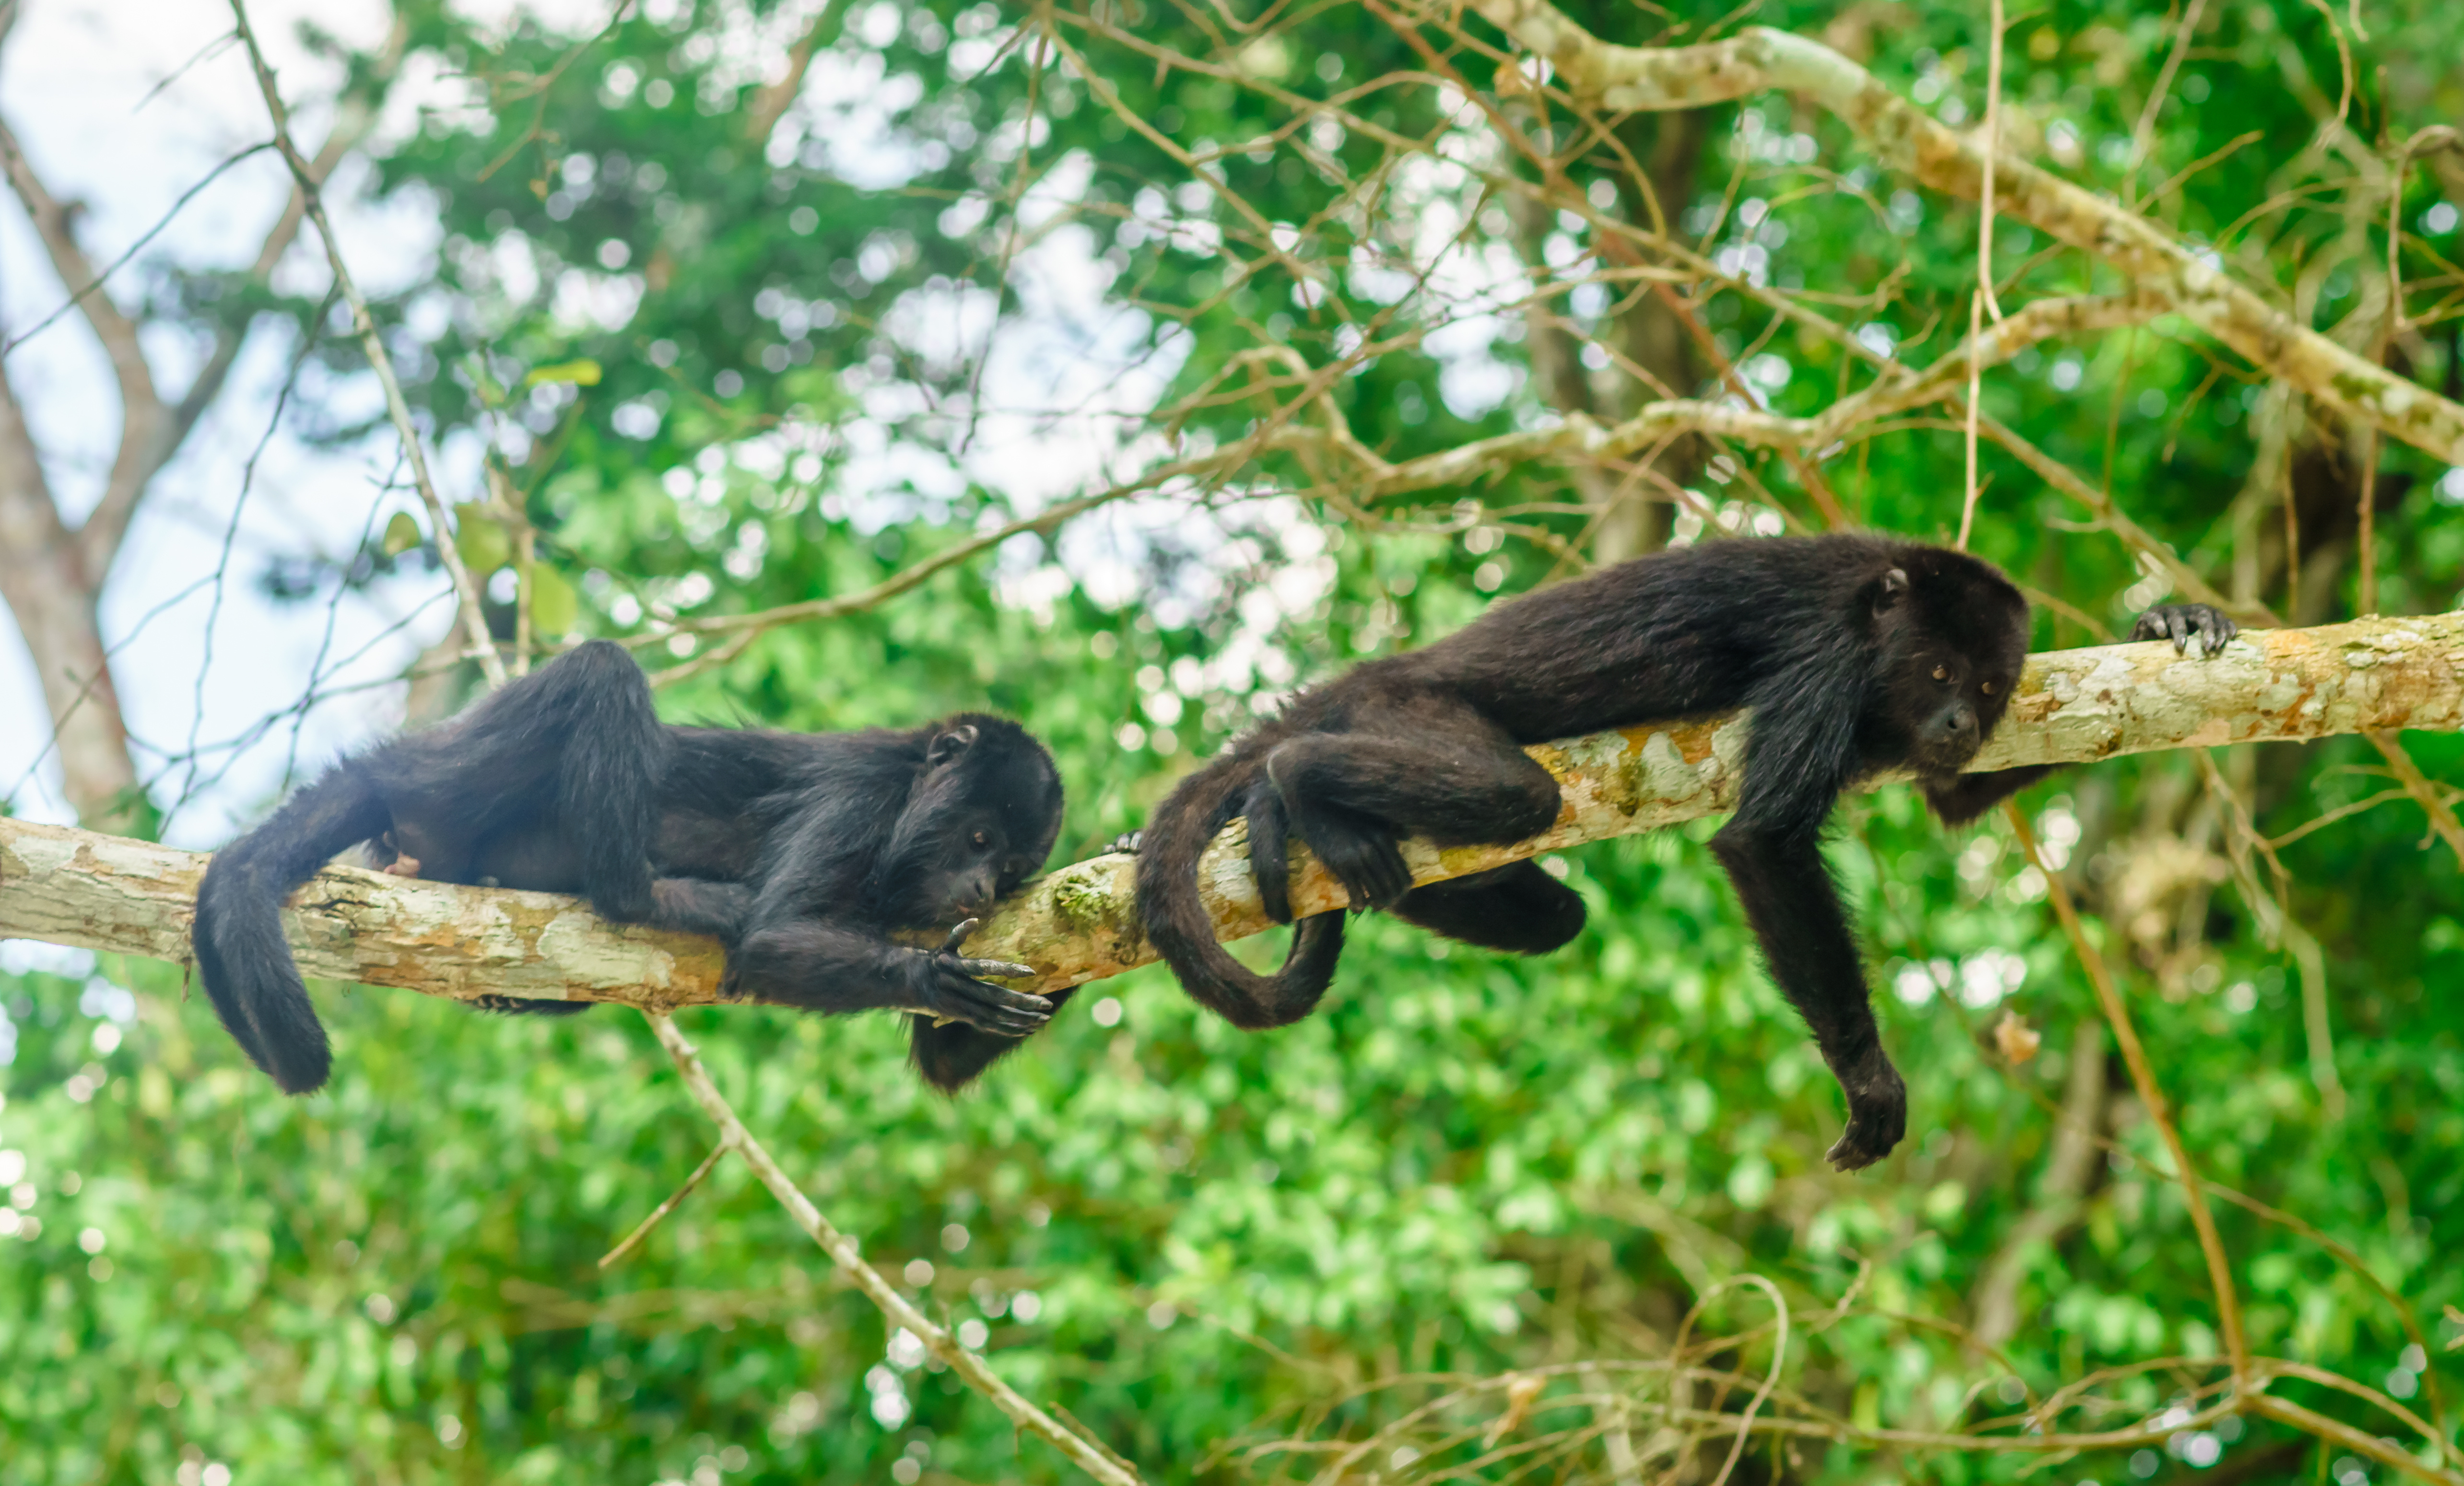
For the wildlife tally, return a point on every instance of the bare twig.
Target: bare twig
(1100, 1463)
(465, 587)
(642, 1229)
(2151, 1094)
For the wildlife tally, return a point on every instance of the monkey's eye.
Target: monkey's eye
(983, 841)
(1989, 689)
(1941, 673)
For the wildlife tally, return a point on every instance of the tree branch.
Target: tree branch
(1761, 59)
(772, 101)
(1080, 924)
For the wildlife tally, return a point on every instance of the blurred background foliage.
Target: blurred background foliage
(751, 304)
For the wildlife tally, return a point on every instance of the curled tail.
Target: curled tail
(241, 954)
(1179, 928)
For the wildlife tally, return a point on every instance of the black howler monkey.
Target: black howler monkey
(1856, 653)
(801, 852)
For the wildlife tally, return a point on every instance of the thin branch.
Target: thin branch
(2151, 1094)
(2433, 802)
(771, 104)
(475, 621)
(1763, 59)
(103, 276)
(642, 1229)
(971, 1369)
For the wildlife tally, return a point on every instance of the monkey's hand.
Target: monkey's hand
(2181, 623)
(950, 987)
(1127, 842)
(1877, 1113)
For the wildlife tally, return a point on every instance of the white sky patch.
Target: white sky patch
(74, 77)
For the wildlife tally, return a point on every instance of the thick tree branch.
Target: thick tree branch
(1761, 59)
(1080, 924)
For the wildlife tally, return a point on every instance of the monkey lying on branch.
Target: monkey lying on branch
(799, 852)
(1856, 653)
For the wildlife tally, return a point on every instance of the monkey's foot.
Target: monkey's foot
(1877, 1114)
(1367, 861)
(1127, 842)
(2183, 622)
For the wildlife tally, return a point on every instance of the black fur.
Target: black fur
(1833, 642)
(801, 852)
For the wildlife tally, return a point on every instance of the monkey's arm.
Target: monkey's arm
(1795, 911)
(1796, 763)
(828, 966)
(2184, 623)
(950, 1054)
(1960, 799)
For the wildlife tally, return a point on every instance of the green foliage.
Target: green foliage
(684, 346)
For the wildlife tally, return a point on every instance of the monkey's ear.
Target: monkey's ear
(1893, 587)
(950, 744)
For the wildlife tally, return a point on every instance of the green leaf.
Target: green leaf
(481, 540)
(554, 605)
(583, 373)
(401, 534)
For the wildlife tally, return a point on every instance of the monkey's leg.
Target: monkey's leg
(1352, 795)
(558, 774)
(1794, 907)
(1519, 908)
(699, 907)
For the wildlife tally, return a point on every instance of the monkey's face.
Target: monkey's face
(1954, 635)
(975, 865)
(979, 825)
(1947, 704)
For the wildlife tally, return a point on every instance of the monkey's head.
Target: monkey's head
(1951, 635)
(982, 816)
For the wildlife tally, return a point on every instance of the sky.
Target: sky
(78, 87)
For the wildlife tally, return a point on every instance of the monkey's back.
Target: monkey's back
(1673, 634)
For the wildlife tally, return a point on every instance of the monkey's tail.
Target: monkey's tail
(242, 957)
(1177, 924)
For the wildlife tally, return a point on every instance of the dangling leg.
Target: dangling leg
(1457, 780)
(1518, 907)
